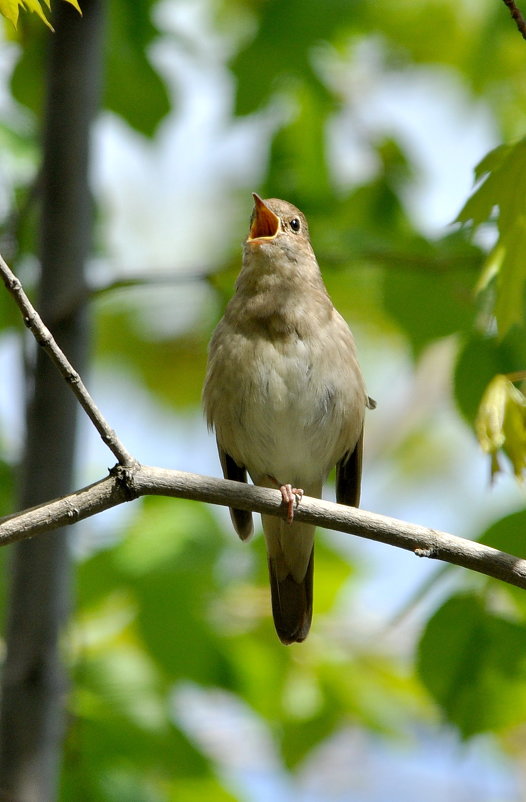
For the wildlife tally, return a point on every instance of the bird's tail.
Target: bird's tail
(290, 549)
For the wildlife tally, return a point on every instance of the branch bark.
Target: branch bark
(125, 484)
(517, 16)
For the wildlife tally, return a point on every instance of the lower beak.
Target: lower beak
(264, 223)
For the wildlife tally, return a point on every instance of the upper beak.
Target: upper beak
(264, 223)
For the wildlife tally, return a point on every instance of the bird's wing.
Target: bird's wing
(349, 475)
(242, 519)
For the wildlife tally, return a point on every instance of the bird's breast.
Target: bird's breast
(291, 406)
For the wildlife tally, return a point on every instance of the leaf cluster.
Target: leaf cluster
(11, 8)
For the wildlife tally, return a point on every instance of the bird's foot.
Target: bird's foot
(291, 495)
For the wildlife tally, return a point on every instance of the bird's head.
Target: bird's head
(277, 252)
(279, 223)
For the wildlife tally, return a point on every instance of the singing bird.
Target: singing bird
(286, 398)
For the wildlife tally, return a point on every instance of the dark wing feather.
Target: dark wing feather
(349, 476)
(242, 519)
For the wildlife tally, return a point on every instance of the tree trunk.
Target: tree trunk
(34, 680)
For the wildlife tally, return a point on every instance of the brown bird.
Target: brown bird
(286, 397)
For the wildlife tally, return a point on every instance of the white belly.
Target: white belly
(289, 416)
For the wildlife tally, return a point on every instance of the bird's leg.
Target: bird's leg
(290, 495)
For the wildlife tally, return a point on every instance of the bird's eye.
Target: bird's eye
(295, 224)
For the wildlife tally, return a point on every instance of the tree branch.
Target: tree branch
(517, 16)
(45, 339)
(125, 484)
(130, 480)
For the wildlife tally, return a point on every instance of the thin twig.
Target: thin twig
(516, 376)
(520, 22)
(45, 339)
(126, 484)
(156, 279)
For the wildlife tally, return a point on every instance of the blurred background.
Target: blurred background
(371, 117)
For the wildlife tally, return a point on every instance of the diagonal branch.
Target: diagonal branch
(45, 339)
(125, 484)
(516, 14)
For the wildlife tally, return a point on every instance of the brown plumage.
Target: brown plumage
(285, 396)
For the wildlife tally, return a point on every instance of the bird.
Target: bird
(285, 396)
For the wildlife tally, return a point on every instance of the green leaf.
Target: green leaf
(155, 361)
(479, 206)
(104, 736)
(298, 165)
(281, 50)
(479, 360)
(133, 88)
(27, 78)
(508, 534)
(503, 173)
(9, 315)
(168, 561)
(511, 275)
(143, 621)
(196, 790)
(7, 486)
(429, 305)
(10, 9)
(332, 574)
(501, 424)
(473, 662)
(299, 737)
(491, 161)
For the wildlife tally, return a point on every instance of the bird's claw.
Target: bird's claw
(290, 495)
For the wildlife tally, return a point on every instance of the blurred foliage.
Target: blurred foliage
(467, 654)
(482, 356)
(171, 601)
(163, 608)
(500, 196)
(7, 482)
(133, 89)
(501, 419)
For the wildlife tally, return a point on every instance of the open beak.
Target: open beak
(264, 223)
